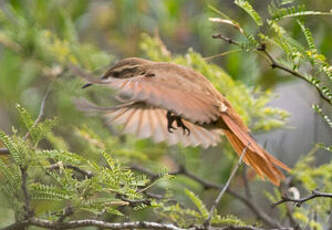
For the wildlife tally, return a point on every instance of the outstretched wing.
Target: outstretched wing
(149, 121)
(171, 87)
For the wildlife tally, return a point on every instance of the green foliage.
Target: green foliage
(198, 203)
(279, 11)
(245, 5)
(61, 182)
(75, 161)
(37, 131)
(186, 217)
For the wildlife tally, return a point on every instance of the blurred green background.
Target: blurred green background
(37, 38)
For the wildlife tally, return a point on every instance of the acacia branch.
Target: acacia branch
(276, 65)
(125, 225)
(299, 202)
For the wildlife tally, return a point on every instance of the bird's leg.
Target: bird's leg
(179, 123)
(170, 119)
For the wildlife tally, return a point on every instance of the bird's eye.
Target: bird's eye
(116, 74)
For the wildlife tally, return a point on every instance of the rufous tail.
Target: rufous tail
(263, 163)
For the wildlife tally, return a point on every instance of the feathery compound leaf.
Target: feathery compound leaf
(16, 149)
(11, 178)
(25, 116)
(37, 131)
(319, 110)
(63, 156)
(277, 13)
(198, 203)
(48, 192)
(110, 162)
(308, 35)
(229, 220)
(245, 5)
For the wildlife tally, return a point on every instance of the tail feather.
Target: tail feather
(263, 163)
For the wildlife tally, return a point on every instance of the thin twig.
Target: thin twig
(227, 39)
(125, 225)
(85, 173)
(223, 190)
(222, 54)
(41, 111)
(135, 203)
(299, 202)
(276, 65)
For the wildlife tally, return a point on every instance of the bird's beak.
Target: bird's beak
(86, 85)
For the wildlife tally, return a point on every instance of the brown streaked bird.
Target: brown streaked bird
(173, 103)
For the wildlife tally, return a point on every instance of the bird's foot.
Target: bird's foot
(170, 120)
(179, 123)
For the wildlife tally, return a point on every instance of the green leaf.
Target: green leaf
(245, 5)
(16, 149)
(277, 12)
(48, 192)
(198, 203)
(308, 35)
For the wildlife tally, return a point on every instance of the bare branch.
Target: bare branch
(125, 225)
(299, 202)
(223, 190)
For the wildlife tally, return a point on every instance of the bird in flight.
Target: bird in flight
(173, 103)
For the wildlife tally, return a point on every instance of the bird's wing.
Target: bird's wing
(184, 92)
(149, 121)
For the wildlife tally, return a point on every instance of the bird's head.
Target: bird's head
(125, 68)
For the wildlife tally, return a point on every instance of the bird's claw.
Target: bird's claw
(170, 120)
(170, 128)
(185, 129)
